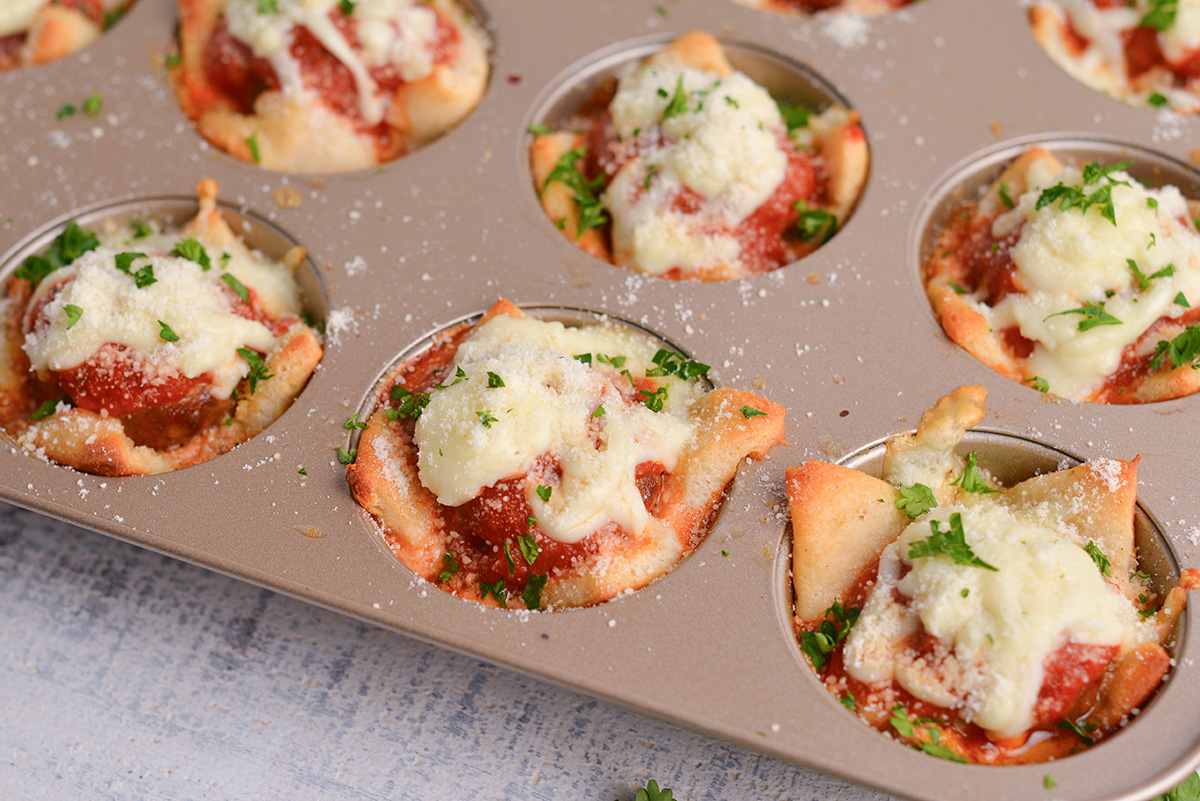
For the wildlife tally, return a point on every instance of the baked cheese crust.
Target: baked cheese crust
(975, 622)
(687, 169)
(144, 350)
(36, 31)
(545, 468)
(317, 86)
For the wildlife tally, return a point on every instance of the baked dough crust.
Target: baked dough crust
(948, 285)
(384, 480)
(843, 519)
(56, 32)
(841, 145)
(298, 132)
(95, 443)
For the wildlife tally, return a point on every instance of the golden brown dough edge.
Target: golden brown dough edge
(384, 480)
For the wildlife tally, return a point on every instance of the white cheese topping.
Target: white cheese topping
(997, 627)
(17, 15)
(723, 146)
(1069, 258)
(471, 436)
(395, 32)
(193, 303)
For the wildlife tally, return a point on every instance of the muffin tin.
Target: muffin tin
(844, 339)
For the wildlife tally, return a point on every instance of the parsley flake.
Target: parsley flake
(73, 314)
(93, 104)
(971, 480)
(411, 404)
(494, 381)
(65, 112)
(532, 596)
(268, 7)
(1183, 350)
(818, 644)
(258, 368)
(347, 7)
(952, 543)
(1161, 16)
(1083, 731)
(347, 456)
(599, 411)
(750, 411)
(486, 418)
(237, 286)
(45, 410)
(539, 129)
(586, 193)
(794, 116)
(1048, 782)
(354, 424)
(1156, 100)
(916, 500)
(671, 363)
(72, 243)
(813, 222)
(1038, 383)
(192, 250)
(252, 143)
(1099, 558)
(1005, 198)
(678, 102)
(1093, 315)
(848, 700)
(529, 547)
(1074, 197)
(496, 588)
(508, 558)
(449, 565)
(166, 334)
(544, 492)
(654, 400)
(1181, 300)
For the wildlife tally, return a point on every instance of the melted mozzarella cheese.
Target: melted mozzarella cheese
(193, 303)
(471, 435)
(396, 32)
(1183, 38)
(1069, 258)
(17, 15)
(998, 627)
(723, 146)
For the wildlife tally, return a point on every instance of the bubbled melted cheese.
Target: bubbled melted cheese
(547, 406)
(724, 147)
(396, 32)
(1045, 592)
(1071, 258)
(193, 302)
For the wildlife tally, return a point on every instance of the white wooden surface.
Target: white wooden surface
(128, 675)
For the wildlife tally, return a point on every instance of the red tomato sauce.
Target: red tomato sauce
(1142, 50)
(500, 515)
(240, 77)
(1072, 675)
(158, 407)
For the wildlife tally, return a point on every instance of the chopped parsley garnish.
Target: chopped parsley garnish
(1099, 558)
(1183, 350)
(533, 592)
(141, 229)
(671, 363)
(678, 102)
(819, 643)
(45, 410)
(1181, 300)
(1161, 16)
(411, 404)
(731, 102)
(654, 400)
(1093, 315)
(651, 169)
(529, 547)
(268, 7)
(1068, 197)
(539, 129)
(486, 418)
(449, 567)
(496, 588)
(794, 116)
(1143, 280)
(192, 250)
(901, 723)
(1038, 383)
(1083, 731)
(958, 288)
(237, 286)
(916, 500)
(952, 543)
(848, 700)
(508, 557)
(814, 222)
(544, 492)
(460, 376)
(750, 411)
(347, 7)
(1048, 782)
(971, 480)
(65, 112)
(93, 104)
(1005, 198)
(494, 381)
(347, 456)
(72, 243)
(354, 424)
(172, 60)
(73, 314)
(1157, 100)
(165, 333)
(252, 143)
(583, 358)
(929, 727)
(599, 411)
(258, 368)
(616, 361)
(586, 193)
